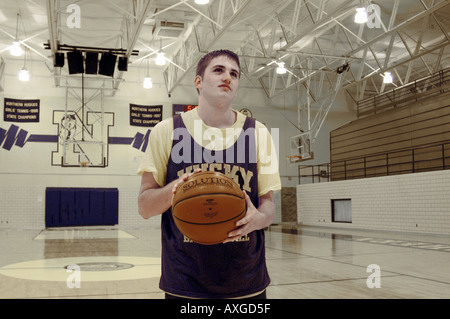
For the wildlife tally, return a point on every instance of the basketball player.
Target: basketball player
(237, 267)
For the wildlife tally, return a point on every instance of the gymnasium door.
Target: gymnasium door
(81, 206)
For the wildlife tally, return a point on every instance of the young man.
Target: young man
(212, 137)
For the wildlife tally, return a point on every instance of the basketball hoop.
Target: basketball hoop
(294, 158)
(83, 164)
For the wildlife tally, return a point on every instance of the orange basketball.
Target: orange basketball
(206, 206)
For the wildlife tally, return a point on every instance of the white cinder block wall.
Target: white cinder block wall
(410, 203)
(23, 197)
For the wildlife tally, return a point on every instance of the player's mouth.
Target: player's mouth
(225, 86)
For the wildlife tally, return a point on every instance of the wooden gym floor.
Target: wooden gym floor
(304, 262)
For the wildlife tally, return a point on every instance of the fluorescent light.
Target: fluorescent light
(15, 49)
(148, 84)
(361, 15)
(24, 75)
(387, 77)
(160, 58)
(281, 69)
(202, 1)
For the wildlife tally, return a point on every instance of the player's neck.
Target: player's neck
(217, 116)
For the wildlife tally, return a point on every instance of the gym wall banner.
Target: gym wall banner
(145, 115)
(21, 110)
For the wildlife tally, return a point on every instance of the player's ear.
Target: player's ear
(198, 82)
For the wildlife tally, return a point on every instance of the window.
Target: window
(341, 210)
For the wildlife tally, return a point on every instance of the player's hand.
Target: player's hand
(252, 220)
(183, 178)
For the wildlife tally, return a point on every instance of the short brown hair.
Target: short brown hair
(206, 59)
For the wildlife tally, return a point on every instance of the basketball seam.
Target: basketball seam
(224, 221)
(206, 242)
(193, 196)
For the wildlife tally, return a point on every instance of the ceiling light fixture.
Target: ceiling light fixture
(148, 84)
(201, 2)
(387, 77)
(24, 75)
(160, 58)
(361, 15)
(281, 69)
(15, 49)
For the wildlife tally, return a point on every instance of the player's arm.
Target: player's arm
(154, 196)
(255, 218)
(153, 199)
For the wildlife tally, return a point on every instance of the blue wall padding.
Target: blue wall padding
(69, 206)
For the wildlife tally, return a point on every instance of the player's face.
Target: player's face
(221, 79)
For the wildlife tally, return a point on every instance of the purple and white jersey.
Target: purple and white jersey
(213, 271)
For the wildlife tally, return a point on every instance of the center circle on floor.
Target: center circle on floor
(98, 268)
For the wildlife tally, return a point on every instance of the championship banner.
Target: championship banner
(145, 115)
(21, 110)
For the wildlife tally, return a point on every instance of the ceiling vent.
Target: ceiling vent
(168, 29)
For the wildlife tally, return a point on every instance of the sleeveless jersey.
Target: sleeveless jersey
(213, 271)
